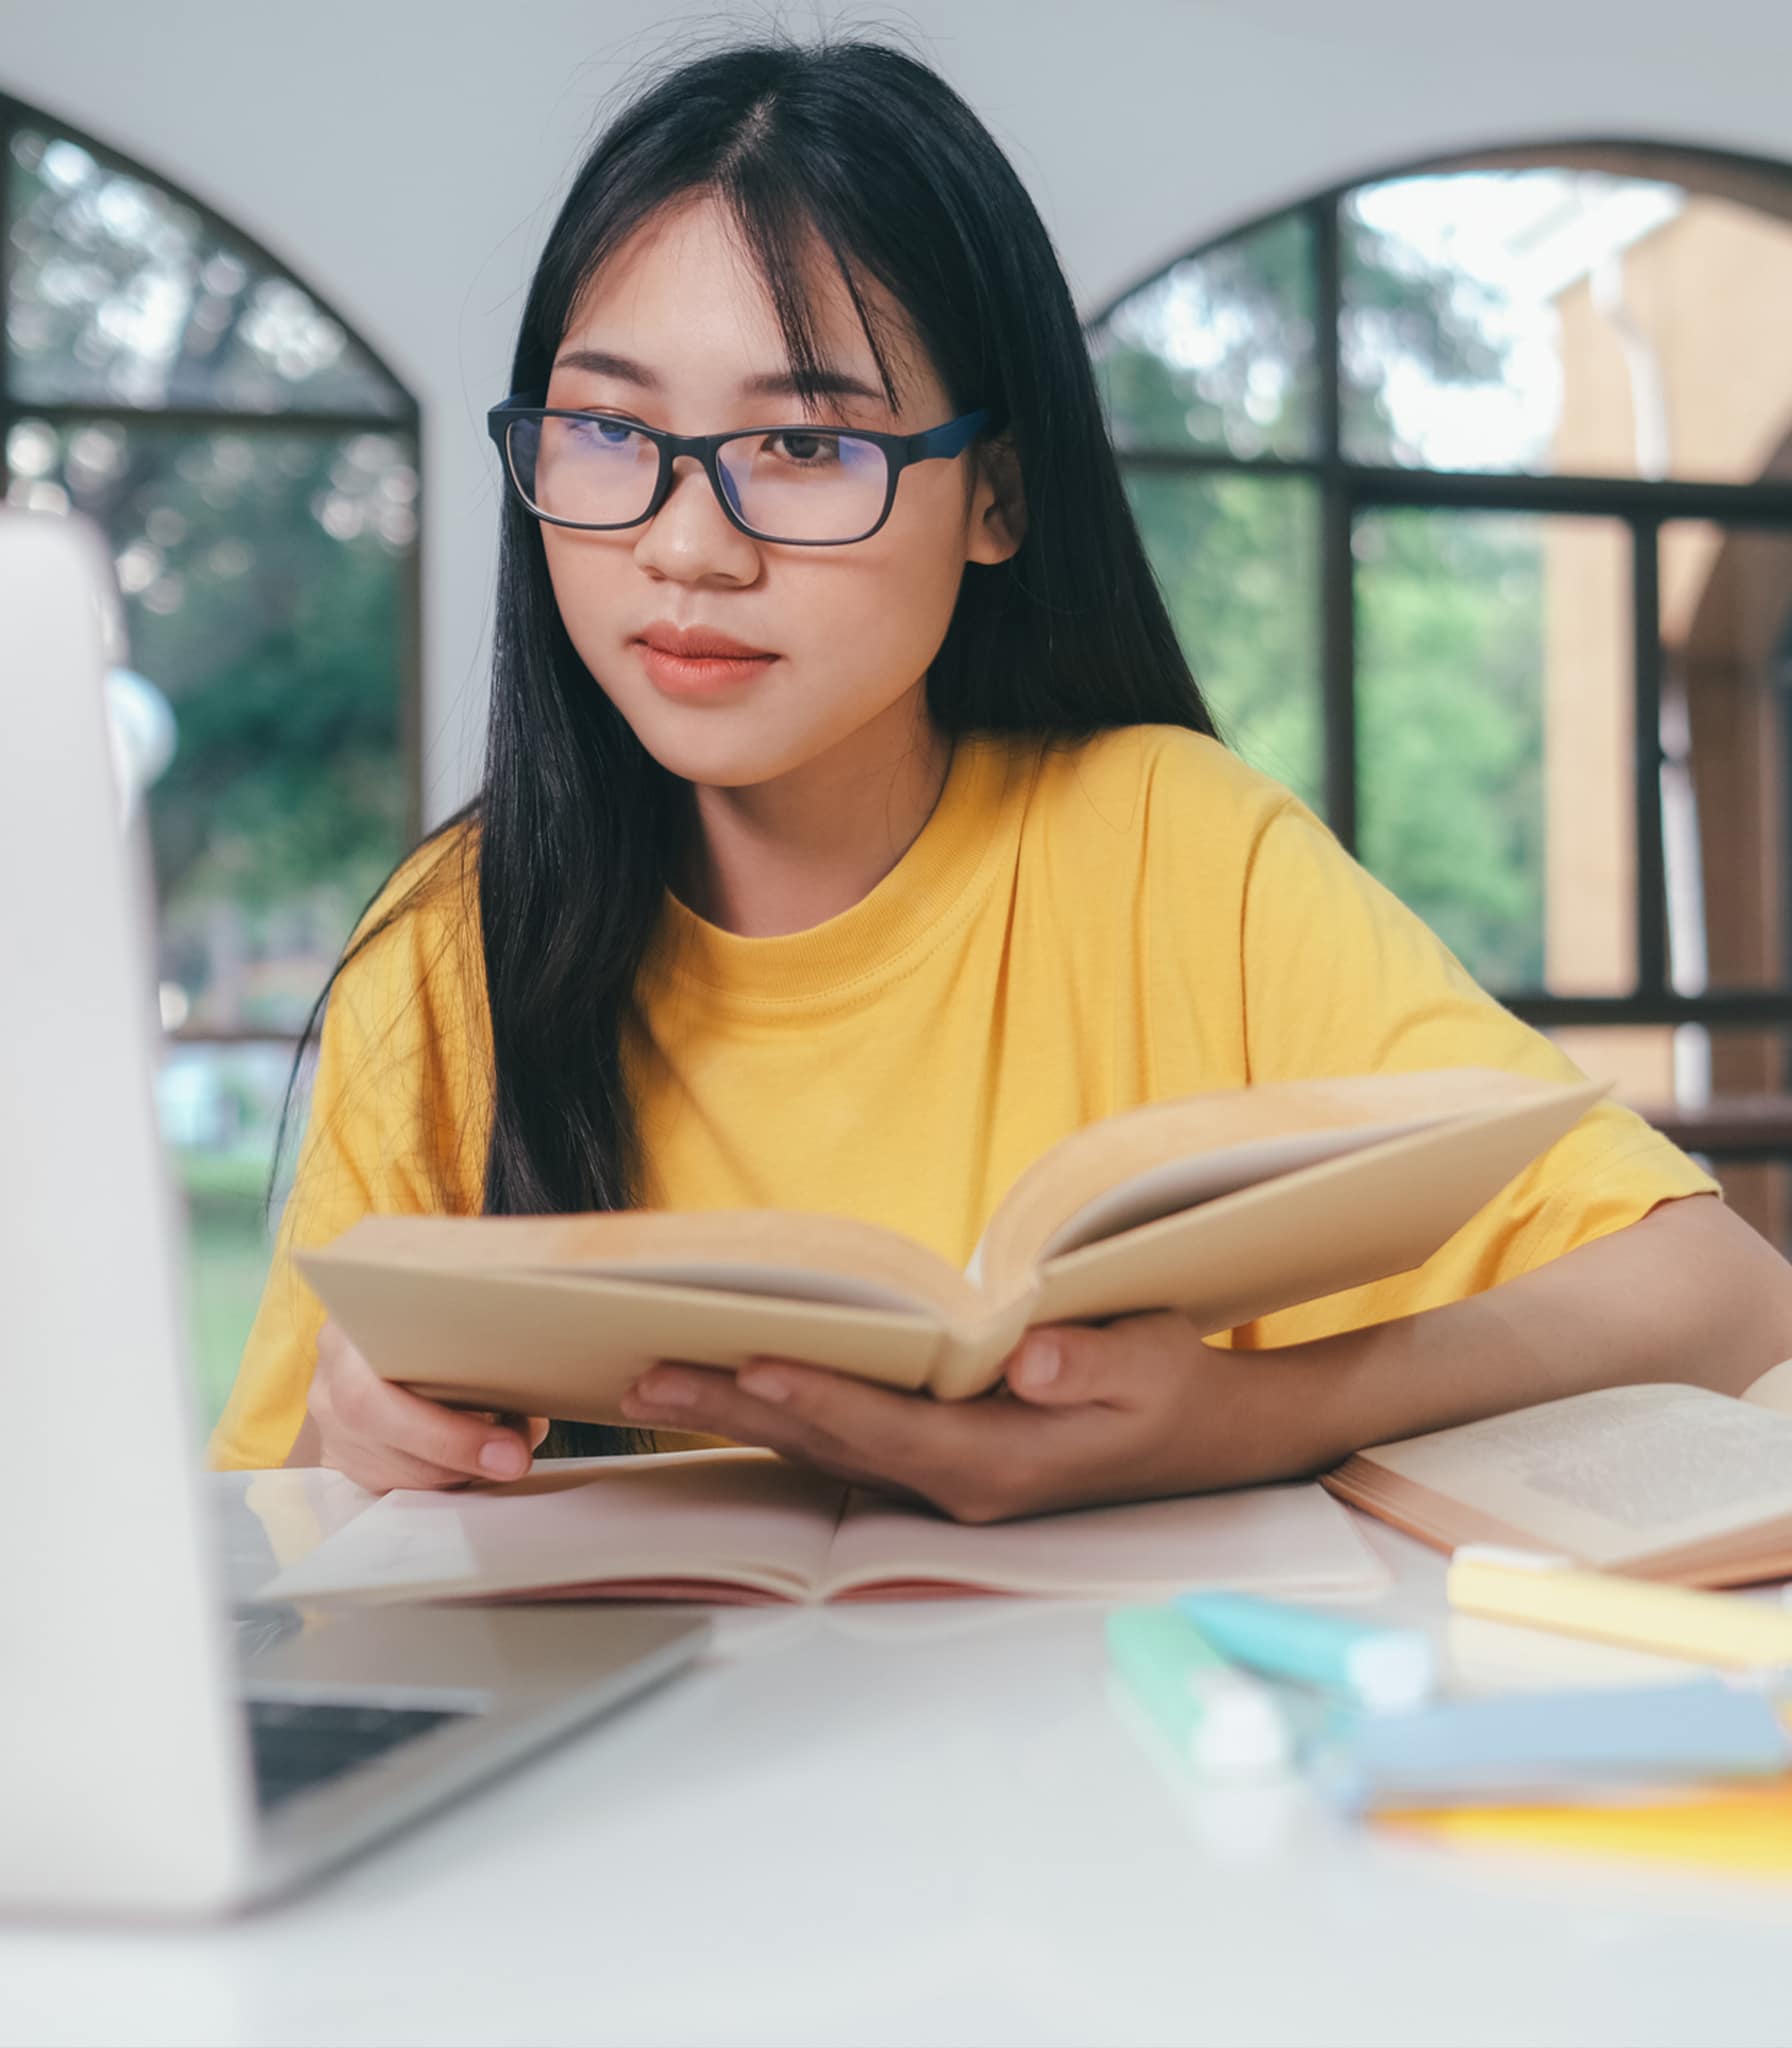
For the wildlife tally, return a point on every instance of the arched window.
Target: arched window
(254, 466)
(1470, 487)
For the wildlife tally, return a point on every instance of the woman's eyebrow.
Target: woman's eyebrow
(773, 384)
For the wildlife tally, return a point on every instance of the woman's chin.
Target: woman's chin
(760, 733)
(716, 748)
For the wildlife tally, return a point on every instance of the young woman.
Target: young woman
(852, 828)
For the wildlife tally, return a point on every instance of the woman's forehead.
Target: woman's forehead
(683, 298)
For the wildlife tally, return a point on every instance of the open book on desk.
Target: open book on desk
(1659, 1482)
(1225, 1206)
(741, 1526)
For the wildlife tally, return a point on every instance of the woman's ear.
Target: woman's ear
(998, 504)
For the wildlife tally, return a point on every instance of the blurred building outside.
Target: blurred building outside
(1658, 382)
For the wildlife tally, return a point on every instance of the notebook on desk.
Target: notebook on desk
(737, 1526)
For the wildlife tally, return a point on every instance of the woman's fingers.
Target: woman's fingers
(1062, 1365)
(710, 1401)
(380, 1469)
(384, 1436)
(961, 1455)
(531, 1428)
(472, 1446)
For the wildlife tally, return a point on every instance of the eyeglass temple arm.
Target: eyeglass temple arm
(947, 440)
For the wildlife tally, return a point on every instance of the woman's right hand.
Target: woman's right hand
(382, 1436)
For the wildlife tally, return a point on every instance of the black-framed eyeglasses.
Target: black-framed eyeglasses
(801, 486)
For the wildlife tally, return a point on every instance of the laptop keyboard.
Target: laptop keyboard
(299, 1744)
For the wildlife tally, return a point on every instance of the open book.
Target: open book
(1662, 1482)
(1225, 1206)
(741, 1526)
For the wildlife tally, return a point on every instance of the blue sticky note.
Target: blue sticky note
(1549, 1745)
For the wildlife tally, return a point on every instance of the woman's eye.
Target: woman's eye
(807, 451)
(601, 433)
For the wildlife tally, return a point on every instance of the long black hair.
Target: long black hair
(858, 150)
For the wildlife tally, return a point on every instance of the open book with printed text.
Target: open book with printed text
(1225, 1206)
(1658, 1481)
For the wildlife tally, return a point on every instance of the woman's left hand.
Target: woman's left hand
(1129, 1410)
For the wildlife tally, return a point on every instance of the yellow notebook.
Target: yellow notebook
(1722, 1629)
(1747, 1831)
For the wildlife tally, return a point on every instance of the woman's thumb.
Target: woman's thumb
(1059, 1364)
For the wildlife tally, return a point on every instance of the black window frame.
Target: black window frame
(1345, 488)
(287, 422)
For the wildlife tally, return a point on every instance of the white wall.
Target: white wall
(407, 155)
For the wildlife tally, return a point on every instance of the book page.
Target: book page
(743, 1518)
(1182, 1183)
(571, 1344)
(1613, 1475)
(741, 1276)
(1773, 1389)
(1264, 1127)
(716, 1249)
(1283, 1539)
(1315, 1230)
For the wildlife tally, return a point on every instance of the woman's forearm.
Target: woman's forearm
(1688, 1293)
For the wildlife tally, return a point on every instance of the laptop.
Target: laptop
(161, 1753)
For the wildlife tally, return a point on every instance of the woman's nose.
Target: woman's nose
(690, 537)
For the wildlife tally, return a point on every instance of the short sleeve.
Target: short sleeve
(393, 1128)
(1339, 977)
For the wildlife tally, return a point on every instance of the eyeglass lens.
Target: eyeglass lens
(798, 484)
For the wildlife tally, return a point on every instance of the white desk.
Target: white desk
(869, 1828)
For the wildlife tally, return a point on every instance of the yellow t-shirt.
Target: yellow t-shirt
(1076, 929)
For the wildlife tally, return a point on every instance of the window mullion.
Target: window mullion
(1651, 874)
(1337, 626)
(6, 406)
(1337, 582)
(1328, 308)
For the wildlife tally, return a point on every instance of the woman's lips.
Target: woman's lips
(684, 675)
